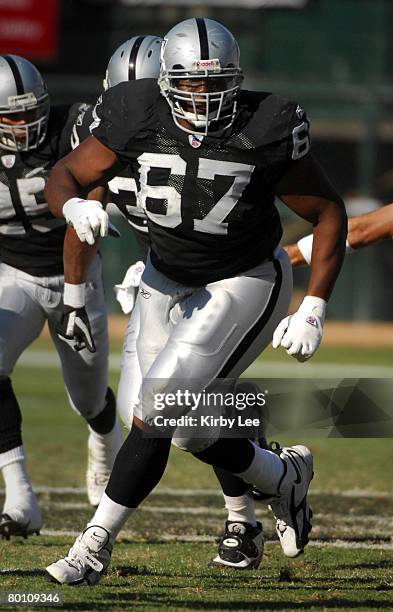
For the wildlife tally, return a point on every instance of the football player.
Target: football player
(363, 230)
(33, 136)
(217, 285)
(139, 58)
(136, 58)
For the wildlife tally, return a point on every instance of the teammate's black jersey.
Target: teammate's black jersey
(209, 200)
(122, 189)
(31, 238)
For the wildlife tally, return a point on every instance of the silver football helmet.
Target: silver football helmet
(24, 104)
(203, 51)
(137, 58)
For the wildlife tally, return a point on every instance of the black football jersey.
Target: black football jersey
(31, 238)
(122, 189)
(209, 200)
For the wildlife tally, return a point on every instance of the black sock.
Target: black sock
(10, 418)
(104, 422)
(232, 454)
(231, 485)
(139, 466)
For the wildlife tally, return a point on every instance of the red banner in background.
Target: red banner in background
(29, 28)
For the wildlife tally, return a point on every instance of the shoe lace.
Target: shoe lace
(76, 556)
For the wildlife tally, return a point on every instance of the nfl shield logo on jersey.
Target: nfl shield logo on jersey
(8, 160)
(195, 140)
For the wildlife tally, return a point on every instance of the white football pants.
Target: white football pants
(26, 302)
(182, 337)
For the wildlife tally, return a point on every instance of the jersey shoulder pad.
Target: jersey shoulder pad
(124, 112)
(274, 119)
(82, 120)
(70, 113)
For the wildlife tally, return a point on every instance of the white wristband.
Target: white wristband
(74, 295)
(305, 247)
(348, 248)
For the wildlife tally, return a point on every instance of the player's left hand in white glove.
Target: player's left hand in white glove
(87, 217)
(301, 333)
(74, 327)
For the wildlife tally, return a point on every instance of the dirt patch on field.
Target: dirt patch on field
(336, 333)
(346, 333)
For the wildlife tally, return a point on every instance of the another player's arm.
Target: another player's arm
(305, 189)
(295, 254)
(363, 230)
(371, 228)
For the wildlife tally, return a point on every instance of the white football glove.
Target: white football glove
(87, 217)
(125, 291)
(301, 333)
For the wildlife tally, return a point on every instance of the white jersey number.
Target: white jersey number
(28, 189)
(213, 222)
(301, 140)
(177, 166)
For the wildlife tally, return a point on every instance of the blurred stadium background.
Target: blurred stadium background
(335, 57)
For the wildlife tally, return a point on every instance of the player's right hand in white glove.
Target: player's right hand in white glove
(301, 333)
(87, 217)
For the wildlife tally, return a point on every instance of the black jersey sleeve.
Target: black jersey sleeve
(125, 113)
(279, 129)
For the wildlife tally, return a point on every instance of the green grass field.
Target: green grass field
(161, 560)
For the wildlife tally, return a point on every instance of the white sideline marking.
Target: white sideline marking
(49, 359)
(376, 519)
(212, 539)
(171, 492)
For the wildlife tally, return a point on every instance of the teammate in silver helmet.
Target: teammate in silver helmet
(137, 58)
(33, 136)
(24, 105)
